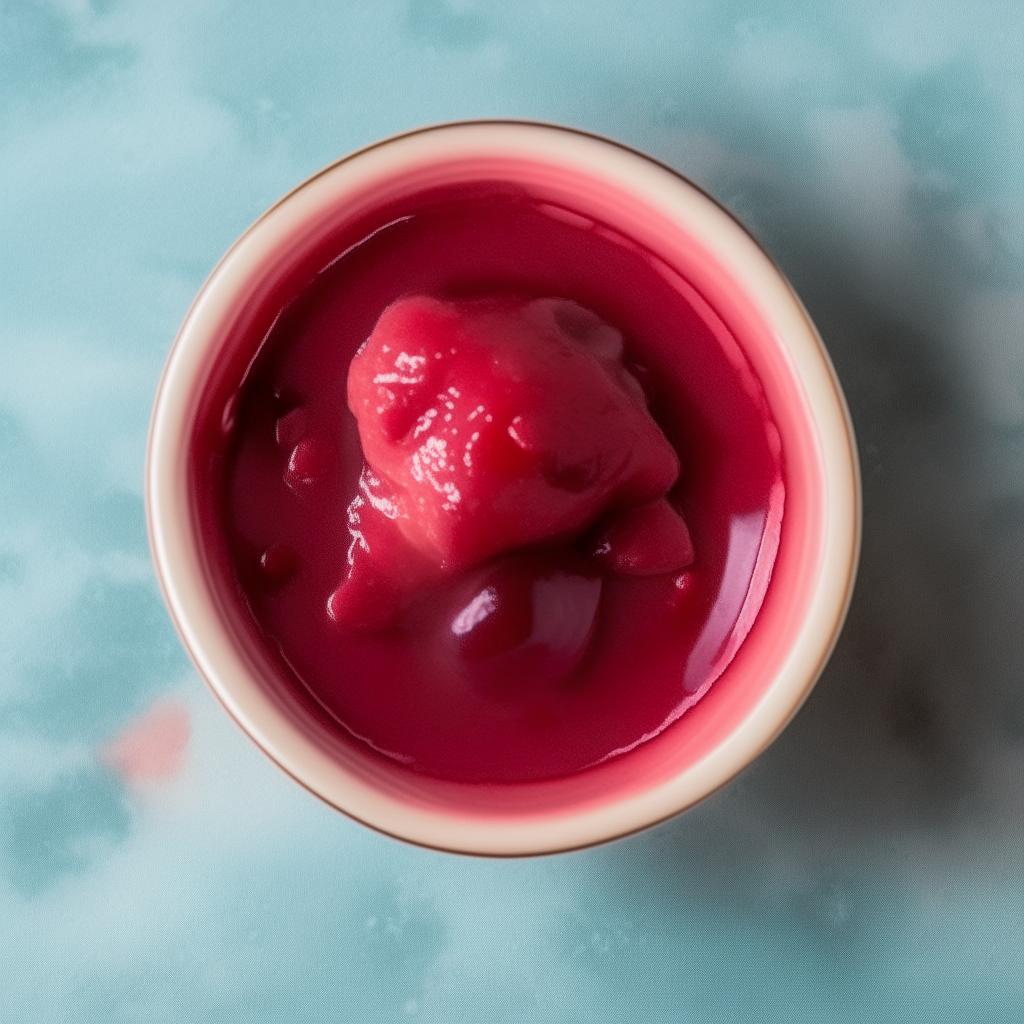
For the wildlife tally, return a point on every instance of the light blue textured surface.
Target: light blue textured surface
(869, 867)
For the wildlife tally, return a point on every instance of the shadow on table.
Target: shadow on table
(893, 755)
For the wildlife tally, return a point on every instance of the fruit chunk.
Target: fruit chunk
(309, 461)
(645, 540)
(278, 564)
(384, 570)
(488, 425)
(498, 427)
(525, 617)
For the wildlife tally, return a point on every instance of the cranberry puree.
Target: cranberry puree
(496, 490)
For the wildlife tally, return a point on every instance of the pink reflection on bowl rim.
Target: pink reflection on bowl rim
(804, 604)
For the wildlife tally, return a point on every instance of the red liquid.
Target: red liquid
(294, 460)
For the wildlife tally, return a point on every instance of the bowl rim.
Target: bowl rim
(430, 828)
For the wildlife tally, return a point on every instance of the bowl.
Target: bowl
(725, 269)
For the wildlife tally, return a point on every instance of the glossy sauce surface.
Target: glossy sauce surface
(413, 691)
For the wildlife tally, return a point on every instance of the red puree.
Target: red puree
(501, 492)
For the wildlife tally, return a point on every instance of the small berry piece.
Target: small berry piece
(645, 540)
(309, 461)
(529, 619)
(278, 564)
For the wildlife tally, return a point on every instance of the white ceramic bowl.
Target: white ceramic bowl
(797, 625)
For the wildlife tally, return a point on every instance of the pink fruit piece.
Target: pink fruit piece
(524, 619)
(278, 564)
(644, 540)
(490, 425)
(384, 571)
(496, 427)
(309, 461)
(366, 603)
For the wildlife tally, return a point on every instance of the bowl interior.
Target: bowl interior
(758, 320)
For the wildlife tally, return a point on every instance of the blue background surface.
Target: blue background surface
(869, 867)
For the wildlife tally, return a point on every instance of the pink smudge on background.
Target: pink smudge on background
(150, 748)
